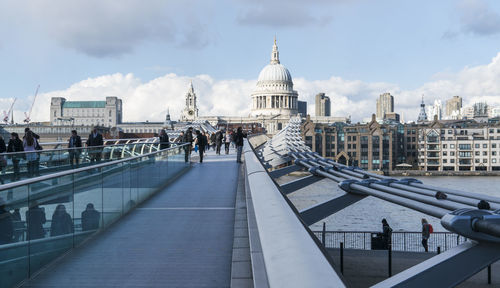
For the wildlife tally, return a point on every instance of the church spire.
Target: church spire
(275, 55)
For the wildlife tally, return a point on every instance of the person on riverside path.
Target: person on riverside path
(74, 154)
(386, 233)
(426, 233)
(238, 140)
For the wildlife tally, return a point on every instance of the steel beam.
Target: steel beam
(321, 211)
(447, 269)
(283, 171)
(295, 185)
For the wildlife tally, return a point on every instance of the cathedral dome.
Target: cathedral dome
(276, 73)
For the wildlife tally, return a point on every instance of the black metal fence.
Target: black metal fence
(401, 241)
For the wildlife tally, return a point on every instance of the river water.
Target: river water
(366, 215)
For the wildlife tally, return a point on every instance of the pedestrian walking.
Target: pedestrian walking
(426, 233)
(3, 160)
(218, 141)
(188, 138)
(38, 147)
(212, 140)
(29, 146)
(164, 141)
(238, 141)
(227, 141)
(15, 145)
(75, 145)
(95, 140)
(201, 142)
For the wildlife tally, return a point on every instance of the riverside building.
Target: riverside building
(459, 146)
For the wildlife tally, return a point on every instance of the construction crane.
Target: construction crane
(28, 114)
(6, 115)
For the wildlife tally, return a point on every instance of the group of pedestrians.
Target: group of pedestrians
(61, 222)
(202, 142)
(29, 144)
(386, 234)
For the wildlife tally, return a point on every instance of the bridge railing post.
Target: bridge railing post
(489, 274)
(323, 236)
(342, 258)
(390, 259)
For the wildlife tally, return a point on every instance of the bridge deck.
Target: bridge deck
(181, 237)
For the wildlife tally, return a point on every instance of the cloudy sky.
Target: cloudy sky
(146, 52)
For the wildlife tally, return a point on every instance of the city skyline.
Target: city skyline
(441, 57)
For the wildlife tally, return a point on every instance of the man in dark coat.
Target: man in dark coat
(218, 141)
(90, 218)
(6, 224)
(188, 138)
(95, 139)
(212, 140)
(164, 141)
(238, 139)
(35, 218)
(201, 142)
(75, 141)
(15, 145)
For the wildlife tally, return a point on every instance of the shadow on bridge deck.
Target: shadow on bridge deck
(181, 237)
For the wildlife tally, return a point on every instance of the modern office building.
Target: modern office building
(323, 105)
(385, 104)
(453, 107)
(86, 113)
(302, 108)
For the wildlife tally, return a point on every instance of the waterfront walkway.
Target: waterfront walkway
(181, 237)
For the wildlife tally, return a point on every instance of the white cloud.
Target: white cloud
(150, 100)
(113, 28)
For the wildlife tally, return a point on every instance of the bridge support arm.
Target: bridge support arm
(321, 211)
(283, 171)
(295, 185)
(447, 269)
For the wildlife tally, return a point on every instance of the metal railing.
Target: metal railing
(401, 241)
(53, 208)
(15, 166)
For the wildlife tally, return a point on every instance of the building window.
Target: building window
(493, 153)
(494, 160)
(493, 145)
(477, 153)
(450, 131)
(452, 161)
(444, 146)
(485, 160)
(452, 153)
(445, 161)
(485, 153)
(476, 160)
(485, 145)
(452, 146)
(476, 145)
(445, 153)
